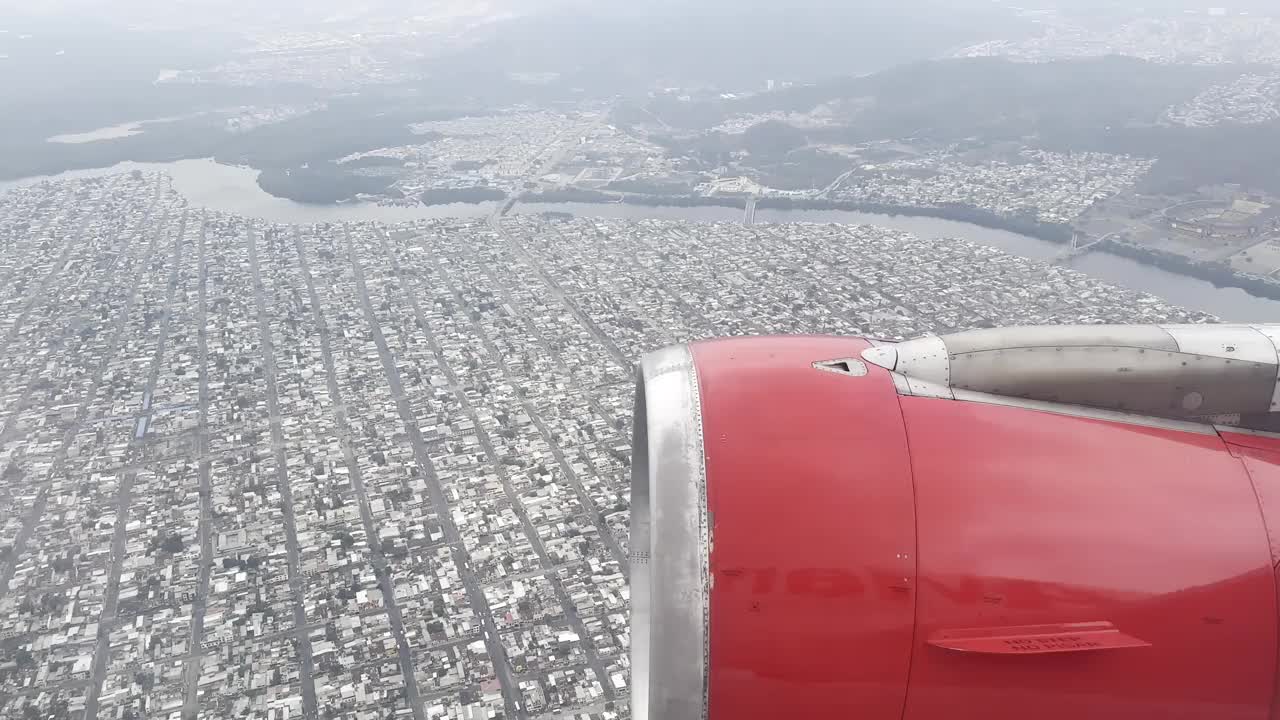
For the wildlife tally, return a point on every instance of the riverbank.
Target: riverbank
(1051, 232)
(235, 190)
(597, 197)
(1219, 274)
(1223, 299)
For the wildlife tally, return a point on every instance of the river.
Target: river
(235, 190)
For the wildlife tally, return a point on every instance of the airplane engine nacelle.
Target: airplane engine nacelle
(811, 538)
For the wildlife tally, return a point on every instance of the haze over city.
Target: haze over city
(319, 321)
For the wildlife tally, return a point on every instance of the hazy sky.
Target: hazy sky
(230, 15)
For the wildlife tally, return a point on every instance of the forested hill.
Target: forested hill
(1110, 104)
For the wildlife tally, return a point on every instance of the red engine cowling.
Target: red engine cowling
(809, 543)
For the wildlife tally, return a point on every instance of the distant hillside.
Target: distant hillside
(957, 97)
(1110, 104)
(617, 47)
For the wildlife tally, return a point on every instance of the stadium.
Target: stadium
(1222, 220)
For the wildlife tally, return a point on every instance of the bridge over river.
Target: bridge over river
(1080, 244)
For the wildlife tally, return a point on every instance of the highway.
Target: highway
(486, 443)
(191, 673)
(536, 335)
(296, 581)
(381, 568)
(41, 287)
(495, 221)
(124, 494)
(475, 594)
(834, 184)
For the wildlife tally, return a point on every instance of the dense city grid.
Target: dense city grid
(363, 471)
